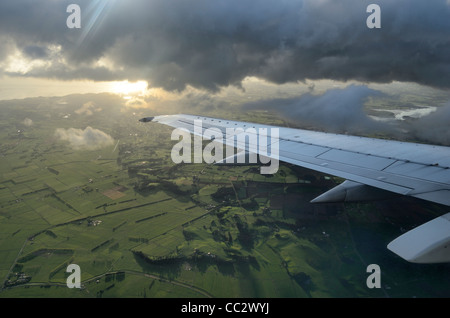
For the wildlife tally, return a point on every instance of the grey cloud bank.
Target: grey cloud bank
(214, 44)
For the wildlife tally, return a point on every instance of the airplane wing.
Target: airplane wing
(373, 168)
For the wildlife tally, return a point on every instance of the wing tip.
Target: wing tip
(146, 119)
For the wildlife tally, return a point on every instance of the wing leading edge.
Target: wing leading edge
(374, 169)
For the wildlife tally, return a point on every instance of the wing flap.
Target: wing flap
(312, 157)
(357, 159)
(421, 171)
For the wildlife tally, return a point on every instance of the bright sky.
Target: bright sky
(18, 88)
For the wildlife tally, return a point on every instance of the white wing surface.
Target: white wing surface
(373, 168)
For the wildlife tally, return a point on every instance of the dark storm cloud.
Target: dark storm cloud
(212, 44)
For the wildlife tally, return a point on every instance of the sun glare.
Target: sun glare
(126, 88)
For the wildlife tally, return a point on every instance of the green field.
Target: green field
(140, 226)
